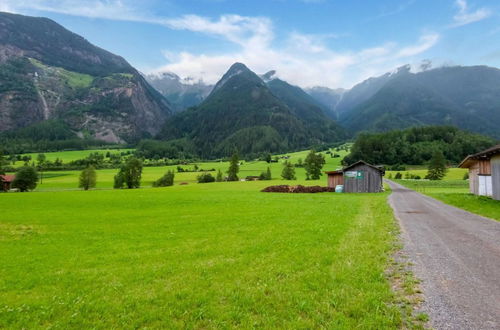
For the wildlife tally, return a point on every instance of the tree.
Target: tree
(41, 159)
(219, 176)
(268, 158)
(288, 172)
(88, 178)
(313, 164)
(234, 168)
(26, 179)
(129, 175)
(2, 171)
(437, 167)
(166, 180)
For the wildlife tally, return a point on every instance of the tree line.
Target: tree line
(416, 146)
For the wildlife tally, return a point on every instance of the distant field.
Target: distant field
(58, 180)
(456, 193)
(68, 156)
(219, 255)
(452, 174)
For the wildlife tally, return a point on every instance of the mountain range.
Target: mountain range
(245, 113)
(54, 81)
(181, 93)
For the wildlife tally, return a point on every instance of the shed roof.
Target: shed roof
(8, 178)
(361, 162)
(483, 155)
(334, 172)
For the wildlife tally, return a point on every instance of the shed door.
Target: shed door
(485, 185)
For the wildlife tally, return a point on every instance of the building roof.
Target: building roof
(361, 162)
(334, 172)
(8, 178)
(483, 155)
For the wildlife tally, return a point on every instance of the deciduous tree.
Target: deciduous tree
(88, 178)
(313, 164)
(26, 179)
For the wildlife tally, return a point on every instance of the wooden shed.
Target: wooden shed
(484, 172)
(362, 177)
(335, 178)
(359, 177)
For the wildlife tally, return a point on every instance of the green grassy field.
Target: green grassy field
(68, 156)
(451, 174)
(68, 180)
(456, 193)
(219, 255)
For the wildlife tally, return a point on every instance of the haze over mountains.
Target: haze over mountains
(51, 75)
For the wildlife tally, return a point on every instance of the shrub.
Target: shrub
(166, 180)
(206, 178)
(398, 176)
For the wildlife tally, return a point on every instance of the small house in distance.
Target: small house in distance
(484, 172)
(359, 177)
(6, 182)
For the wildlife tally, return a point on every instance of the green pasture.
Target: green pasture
(197, 256)
(456, 193)
(67, 180)
(68, 156)
(452, 173)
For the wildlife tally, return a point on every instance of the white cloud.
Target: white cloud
(302, 59)
(464, 16)
(305, 60)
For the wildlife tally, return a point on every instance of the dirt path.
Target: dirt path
(456, 254)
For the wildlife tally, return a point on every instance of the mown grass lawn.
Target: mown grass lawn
(219, 255)
(456, 193)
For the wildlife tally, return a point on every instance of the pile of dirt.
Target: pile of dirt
(298, 189)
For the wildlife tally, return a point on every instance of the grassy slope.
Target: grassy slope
(196, 256)
(456, 193)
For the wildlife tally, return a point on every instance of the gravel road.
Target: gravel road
(456, 254)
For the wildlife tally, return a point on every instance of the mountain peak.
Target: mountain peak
(235, 70)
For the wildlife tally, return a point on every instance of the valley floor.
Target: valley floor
(196, 256)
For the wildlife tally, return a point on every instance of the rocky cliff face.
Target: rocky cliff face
(48, 72)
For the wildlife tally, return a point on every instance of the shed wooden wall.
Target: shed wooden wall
(371, 181)
(484, 167)
(335, 180)
(495, 176)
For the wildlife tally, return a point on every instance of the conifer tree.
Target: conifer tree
(234, 168)
(437, 167)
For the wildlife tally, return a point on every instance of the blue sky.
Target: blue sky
(334, 43)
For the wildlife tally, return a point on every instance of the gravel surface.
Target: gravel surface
(456, 254)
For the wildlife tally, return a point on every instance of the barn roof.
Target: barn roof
(8, 178)
(361, 162)
(483, 155)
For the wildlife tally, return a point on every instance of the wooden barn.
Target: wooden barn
(7, 182)
(359, 177)
(484, 172)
